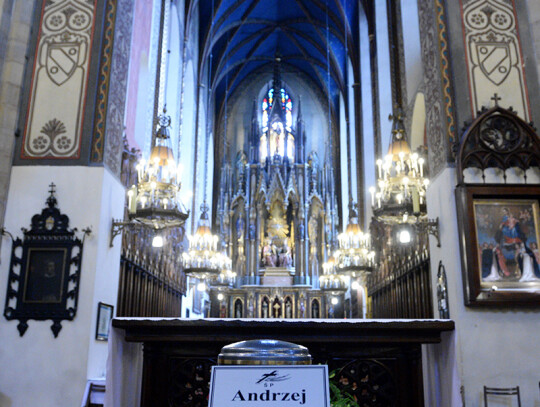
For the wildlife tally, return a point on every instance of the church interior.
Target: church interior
(361, 177)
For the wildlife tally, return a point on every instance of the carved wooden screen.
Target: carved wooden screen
(401, 287)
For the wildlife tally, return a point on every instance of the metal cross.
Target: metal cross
(496, 99)
(52, 186)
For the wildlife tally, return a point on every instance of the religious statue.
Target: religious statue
(240, 228)
(301, 231)
(302, 308)
(285, 257)
(238, 309)
(269, 255)
(240, 260)
(265, 309)
(288, 309)
(250, 307)
(312, 233)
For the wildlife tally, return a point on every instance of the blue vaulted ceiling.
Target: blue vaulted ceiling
(238, 37)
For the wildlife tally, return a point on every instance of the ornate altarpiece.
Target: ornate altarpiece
(278, 212)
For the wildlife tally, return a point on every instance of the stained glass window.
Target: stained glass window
(286, 104)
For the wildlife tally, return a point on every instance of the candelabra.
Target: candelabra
(203, 260)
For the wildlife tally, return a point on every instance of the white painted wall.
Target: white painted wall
(494, 346)
(37, 369)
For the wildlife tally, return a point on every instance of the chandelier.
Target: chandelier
(400, 195)
(401, 184)
(203, 260)
(331, 281)
(223, 281)
(155, 201)
(354, 258)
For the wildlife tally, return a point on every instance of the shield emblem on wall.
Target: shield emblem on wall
(494, 60)
(62, 61)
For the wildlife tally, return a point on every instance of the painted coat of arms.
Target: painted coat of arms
(494, 55)
(61, 61)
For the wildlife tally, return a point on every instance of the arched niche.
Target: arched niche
(238, 308)
(265, 307)
(315, 308)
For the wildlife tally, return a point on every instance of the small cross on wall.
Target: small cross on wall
(496, 99)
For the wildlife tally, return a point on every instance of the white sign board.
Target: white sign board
(269, 386)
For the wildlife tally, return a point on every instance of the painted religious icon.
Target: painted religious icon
(507, 236)
(45, 275)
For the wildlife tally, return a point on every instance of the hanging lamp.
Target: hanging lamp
(354, 258)
(203, 260)
(154, 202)
(400, 195)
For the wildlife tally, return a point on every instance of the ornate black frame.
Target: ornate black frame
(49, 233)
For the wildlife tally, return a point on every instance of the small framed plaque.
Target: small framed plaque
(104, 316)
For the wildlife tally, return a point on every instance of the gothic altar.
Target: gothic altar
(278, 213)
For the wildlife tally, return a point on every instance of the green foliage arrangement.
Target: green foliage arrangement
(339, 397)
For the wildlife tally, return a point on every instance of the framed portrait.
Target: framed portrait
(44, 279)
(104, 315)
(499, 239)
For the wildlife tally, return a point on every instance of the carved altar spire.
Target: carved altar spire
(277, 108)
(301, 135)
(254, 135)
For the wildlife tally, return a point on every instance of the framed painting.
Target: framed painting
(44, 278)
(44, 271)
(499, 239)
(104, 316)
